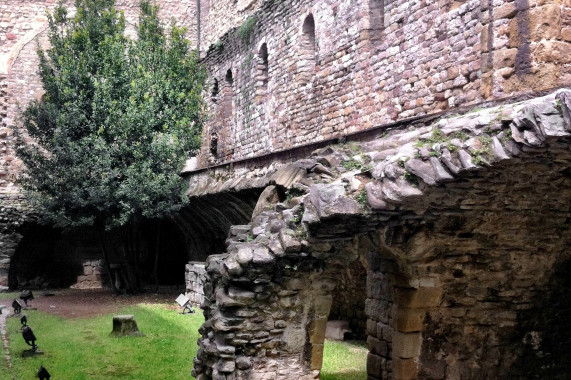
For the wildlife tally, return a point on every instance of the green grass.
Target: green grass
(344, 360)
(8, 296)
(83, 349)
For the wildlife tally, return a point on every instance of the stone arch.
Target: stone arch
(7, 60)
(273, 305)
(215, 90)
(220, 147)
(262, 71)
(457, 264)
(307, 50)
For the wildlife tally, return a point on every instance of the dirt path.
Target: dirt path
(3, 316)
(73, 303)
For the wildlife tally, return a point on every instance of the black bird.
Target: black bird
(17, 306)
(29, 337)
(43, 373)
(26, 296)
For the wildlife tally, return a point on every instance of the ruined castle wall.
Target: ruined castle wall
(336, 68)
(466, 245)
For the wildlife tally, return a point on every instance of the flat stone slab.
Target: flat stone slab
(125, 325)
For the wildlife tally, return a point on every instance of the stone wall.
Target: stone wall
(220, 16)
(195, 274)
(464, 225)
(308, 71)
(320, 69)
(92, 276)
(14, 212)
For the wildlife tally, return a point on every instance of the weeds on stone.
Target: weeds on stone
(479, 155)
(410, 178)
(362, 198)
(463, 136)
(352, 164)
(247, 61)
(293, 192)
(245, 30)
(298, 215)
(354, 146)
(438, 137)
(507, 136)
(301, 233)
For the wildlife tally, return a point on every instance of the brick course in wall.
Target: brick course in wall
(335, 68)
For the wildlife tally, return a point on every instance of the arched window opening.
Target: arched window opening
(220, 147)
(214, 144)
(262, 70)
(308, 29)
(229, 79)
(215, 90)
(306, 64)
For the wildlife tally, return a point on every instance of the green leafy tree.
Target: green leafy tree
(117, 122)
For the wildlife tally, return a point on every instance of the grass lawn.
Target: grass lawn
(81, 348)
(344, 360)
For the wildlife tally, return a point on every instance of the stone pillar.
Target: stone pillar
(378, 309)
(195, 275)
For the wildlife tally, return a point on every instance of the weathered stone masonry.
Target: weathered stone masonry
(464, 226)
(312, 70)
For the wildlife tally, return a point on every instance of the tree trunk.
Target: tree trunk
(108, 264)
(131, 258)
(156, 266)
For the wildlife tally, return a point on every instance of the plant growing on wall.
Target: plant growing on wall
(246, 29)
(118, 121)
